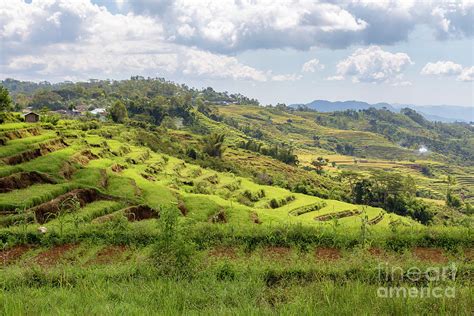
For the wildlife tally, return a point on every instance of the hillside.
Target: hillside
(106, 161)
(177, 191)
(277, 145)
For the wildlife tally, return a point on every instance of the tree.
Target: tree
(118, 112)
(46, 98)
(319, 163)
(5, 100)
(213, 144)
(451, 199)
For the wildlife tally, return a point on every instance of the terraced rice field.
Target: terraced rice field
(108, 176)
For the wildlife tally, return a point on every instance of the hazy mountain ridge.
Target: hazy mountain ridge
(443, 113)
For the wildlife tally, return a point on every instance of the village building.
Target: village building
(31, 117)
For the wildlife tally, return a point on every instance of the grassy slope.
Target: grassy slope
(92, 278)
(167, 187)
(372, 151)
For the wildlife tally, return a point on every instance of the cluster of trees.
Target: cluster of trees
(345, 149)
(105, 92)
(280, 152)
(319, 163)
(390, 191)
(145, 100)
(5, 100)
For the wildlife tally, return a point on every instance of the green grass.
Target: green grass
(18, 145)
(31, 196)
(248, 283)
(13, 126)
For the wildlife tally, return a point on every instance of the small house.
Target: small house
(31, 117)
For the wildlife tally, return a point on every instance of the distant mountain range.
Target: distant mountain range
(443, 113)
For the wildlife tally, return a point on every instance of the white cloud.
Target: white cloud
(452, 19)
(335, 78)
(445, 68)
(56, 39)
(467, 74)
(229, 26)
(373, 65)
(218, 66)
(286, 77)
(60, 38)
(449, 68)
(312, 65)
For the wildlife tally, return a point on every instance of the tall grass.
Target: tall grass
(250, 286)
(33, 195)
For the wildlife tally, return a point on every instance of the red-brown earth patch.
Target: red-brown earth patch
(48, 210)
(11, 255)
(84, 157)
(277, 253)
(140, 212)
(43, 149)
(109, 254)
(469, 254)
(430, 254)
(118, 168)
(219, 217)
(327, 254)
(23, 180)
(54, 255)
(376, 252)
(223, 253)
(255, 219)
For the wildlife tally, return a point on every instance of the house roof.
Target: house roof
(30, 113)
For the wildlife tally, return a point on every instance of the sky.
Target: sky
(291, 51)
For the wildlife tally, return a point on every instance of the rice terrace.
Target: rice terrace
(148, 196)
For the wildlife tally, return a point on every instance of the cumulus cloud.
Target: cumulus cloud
(201, 63)
(453, 19)
(230, 26)
(286, 77)
(335, 78)
(445, 68)
(467, 74)
(448, 68)
(56, 39)
(373, 65)
(312, 65)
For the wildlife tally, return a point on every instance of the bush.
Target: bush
(274, 203)
(309, 208)
(213, 145)
(50, 118)
(6, 117)
(174, 255)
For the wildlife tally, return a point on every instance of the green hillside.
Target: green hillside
(177, 190)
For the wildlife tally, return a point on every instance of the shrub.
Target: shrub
(213, 145)
(6, 117)
(309, 208)
(254, 196)
(274, 203)
(174, 255)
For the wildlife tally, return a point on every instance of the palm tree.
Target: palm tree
(213, 144)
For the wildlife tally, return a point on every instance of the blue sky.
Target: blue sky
(292, 51)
